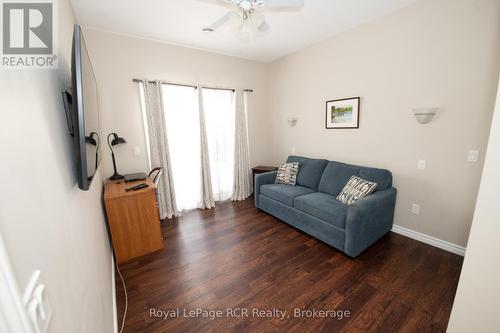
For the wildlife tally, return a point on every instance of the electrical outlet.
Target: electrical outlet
(473, 156)
(137, 151)
(415, 209)
(421, 164)
(293, 150)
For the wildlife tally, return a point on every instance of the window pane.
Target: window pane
(219, 114)
(183, 132)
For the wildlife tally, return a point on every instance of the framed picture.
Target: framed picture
(342, 113)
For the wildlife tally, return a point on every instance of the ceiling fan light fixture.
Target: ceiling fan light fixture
(263, 27)
(246, 28)
(246, 5)
(247, 19)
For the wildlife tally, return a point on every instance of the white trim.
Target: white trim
(14, 316)
(454, 248)
(113, 293)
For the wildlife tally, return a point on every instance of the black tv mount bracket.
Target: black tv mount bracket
(68, 110)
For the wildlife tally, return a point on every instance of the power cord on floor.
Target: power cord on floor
(126, 297)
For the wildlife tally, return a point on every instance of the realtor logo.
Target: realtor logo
(28, 35)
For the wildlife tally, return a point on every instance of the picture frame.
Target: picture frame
(342, 113)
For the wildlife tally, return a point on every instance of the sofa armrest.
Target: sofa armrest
(368, 219)
(262, 179)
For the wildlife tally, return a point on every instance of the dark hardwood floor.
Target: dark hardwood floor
(236, 256)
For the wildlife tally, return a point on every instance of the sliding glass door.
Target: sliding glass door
(182, 120)
(219, 115)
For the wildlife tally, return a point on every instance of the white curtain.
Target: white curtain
(201, 140)
(159, 148)
(242, 187)
(183, 128)
(219, 111)
(207, 196)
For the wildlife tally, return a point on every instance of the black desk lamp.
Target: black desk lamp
(116, 141)
(93, 142)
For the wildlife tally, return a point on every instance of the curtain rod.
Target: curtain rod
(191, 85)
(166, 82)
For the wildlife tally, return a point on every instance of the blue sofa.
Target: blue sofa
(312, 207)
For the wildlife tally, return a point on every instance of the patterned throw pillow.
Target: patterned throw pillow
(287, 173)
(356, 188)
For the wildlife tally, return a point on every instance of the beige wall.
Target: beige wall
(442, 53)
(117, 59)
(478, 296)
(47, 223)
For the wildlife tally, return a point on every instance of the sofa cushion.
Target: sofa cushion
(310, 171)
(324, 207)
(284, 193)
(335, 176)
(380, 176)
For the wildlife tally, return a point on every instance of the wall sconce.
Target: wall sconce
(292, 121)
(424, 115)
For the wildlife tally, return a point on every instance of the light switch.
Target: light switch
(137, 151)
(415, 209)
(421, 164)
(293, 150)
(473, 156)
(37, 304)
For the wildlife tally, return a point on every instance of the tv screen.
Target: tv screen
(85, 112)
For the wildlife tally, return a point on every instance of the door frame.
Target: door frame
(13, 315)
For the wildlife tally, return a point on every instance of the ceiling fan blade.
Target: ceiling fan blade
(259, 22)
(223, 20)
(283, 3)
(224, 3)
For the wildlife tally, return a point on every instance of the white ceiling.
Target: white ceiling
(180, 22)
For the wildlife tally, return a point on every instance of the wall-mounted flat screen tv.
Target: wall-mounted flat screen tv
(85, 112)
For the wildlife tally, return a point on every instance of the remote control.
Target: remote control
(137, 187)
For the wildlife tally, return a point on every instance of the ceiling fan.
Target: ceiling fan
(248, 13)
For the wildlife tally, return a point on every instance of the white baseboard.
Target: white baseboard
(454, 248)
(113, 291)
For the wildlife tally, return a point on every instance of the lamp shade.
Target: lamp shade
(424, 115)
(117, 140)
(90, 139)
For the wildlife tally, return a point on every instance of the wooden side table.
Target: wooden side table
(133, 219)
(262, 169)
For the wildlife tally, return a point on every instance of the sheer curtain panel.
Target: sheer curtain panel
(207, 194)
(219, 111)
(183, 129)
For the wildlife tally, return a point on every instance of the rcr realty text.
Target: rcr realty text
(273, 313)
